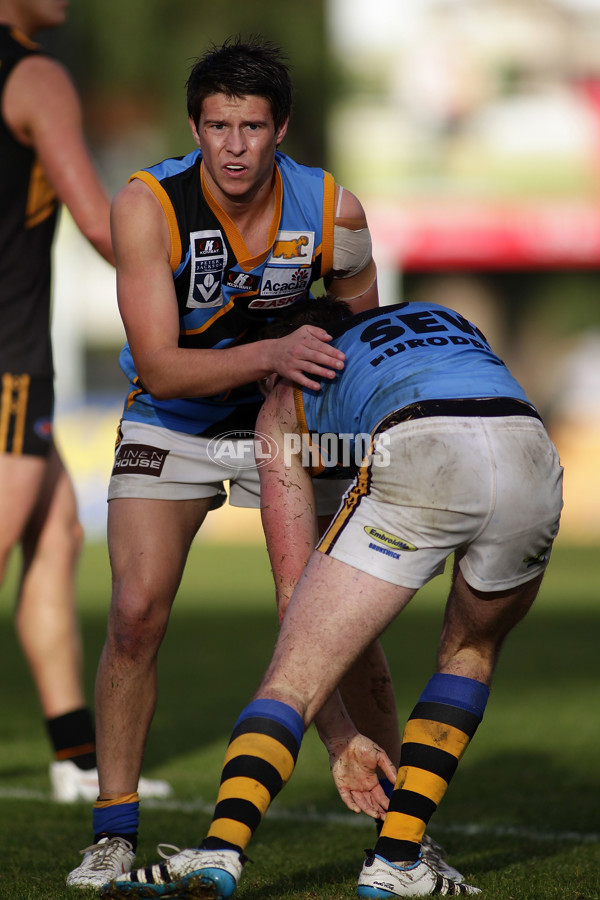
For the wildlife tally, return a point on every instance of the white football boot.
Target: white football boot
(102, 862)
(434, 854)
(381, 880)
(187, 874)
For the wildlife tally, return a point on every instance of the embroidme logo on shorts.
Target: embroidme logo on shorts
(389, 540)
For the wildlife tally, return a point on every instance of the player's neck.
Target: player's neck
(251, 213)
(20, 23)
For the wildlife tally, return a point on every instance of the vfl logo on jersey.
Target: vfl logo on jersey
(241, 281)
(208, 261)
(389, 540)
(294, 247)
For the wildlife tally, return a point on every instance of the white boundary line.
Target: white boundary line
(282, 814)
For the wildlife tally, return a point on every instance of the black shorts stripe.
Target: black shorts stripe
(412, 804)
(240, 811)
(462, 719)
(254, 767)
(431, 759)
(270, 728)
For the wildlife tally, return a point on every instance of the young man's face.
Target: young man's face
(238, 140)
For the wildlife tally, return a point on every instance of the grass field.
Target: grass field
(521, 816)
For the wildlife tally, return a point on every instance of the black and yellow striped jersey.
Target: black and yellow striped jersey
(28, 213)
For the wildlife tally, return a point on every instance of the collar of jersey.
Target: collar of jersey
(242, 254)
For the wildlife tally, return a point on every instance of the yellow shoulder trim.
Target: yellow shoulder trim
(22, 39)
(165, 201)
(328, 216)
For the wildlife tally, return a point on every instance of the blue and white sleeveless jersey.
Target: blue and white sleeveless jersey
(398, 355)
(225, 294)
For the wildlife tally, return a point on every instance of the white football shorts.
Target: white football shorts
(157, 463)
(488, 487)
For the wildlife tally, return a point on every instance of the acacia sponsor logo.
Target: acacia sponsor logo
(389, 540)
(242, 451)
(278, 282)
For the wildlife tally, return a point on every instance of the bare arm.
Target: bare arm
(290, 523)
(148, 307)
(354, 275)
(42, 109)
(288, 507)
(354, 759)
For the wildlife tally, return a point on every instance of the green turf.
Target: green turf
(521, 816)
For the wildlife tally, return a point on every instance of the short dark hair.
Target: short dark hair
(322, 312)
(240, 68)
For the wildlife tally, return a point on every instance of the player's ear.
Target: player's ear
(194, 128)
(267, 384)
(281, 132)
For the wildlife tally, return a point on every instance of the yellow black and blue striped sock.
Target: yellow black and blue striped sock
(435, 738)
(117, 815)
(259, 761)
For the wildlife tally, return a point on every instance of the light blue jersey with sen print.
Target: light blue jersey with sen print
(400, 355)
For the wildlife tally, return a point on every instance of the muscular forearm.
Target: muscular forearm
(172, 372)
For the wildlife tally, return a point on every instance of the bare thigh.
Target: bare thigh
(21, 479)
(335, 613)
(148, 542)
(53, 524)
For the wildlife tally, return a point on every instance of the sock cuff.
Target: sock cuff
(456, 690)
(113, 799)
(116, 818)
(72, 734)
(278, 712)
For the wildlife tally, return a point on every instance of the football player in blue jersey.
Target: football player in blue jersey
(457, 461)
(209, 247)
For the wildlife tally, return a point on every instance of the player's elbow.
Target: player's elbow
(160, 388)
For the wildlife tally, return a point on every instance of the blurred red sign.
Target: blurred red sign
(445, 235)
